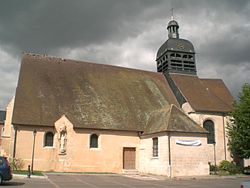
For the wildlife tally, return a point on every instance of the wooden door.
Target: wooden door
(128, 158)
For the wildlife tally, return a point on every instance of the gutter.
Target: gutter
(14, 145)
(169, 155)
(224, 134)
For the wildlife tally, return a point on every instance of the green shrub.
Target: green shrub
(246, 170)
(225, 165)
(16, 164)
(229, 167)
(212, 167)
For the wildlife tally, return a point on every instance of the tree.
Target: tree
(239, 128)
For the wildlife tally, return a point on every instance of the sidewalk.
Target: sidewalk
(158, 177)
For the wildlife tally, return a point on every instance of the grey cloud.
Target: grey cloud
(233, 47)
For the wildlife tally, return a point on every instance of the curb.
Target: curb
(22, 176)
(209, 177)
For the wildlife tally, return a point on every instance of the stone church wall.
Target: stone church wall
(220, 122)
(8, 132)
(154, 165)
(79, 157)
(221, 149)
(184, 160)
(189, 160)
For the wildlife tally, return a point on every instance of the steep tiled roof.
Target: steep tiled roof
(171, 119)
(218, 88)
(90, 95)
(210, 95)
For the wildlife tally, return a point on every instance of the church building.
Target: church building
(76, 116)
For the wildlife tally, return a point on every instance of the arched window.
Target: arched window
(93, 141)
(209, 126)
(155, 147)
(48, 139)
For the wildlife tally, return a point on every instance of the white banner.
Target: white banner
(189, 142)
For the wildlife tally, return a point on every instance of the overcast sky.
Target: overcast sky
(125, 33)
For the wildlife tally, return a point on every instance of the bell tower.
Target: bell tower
(176, 55)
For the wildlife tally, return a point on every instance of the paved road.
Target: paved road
(112, 181)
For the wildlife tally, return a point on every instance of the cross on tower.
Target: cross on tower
(172, 13)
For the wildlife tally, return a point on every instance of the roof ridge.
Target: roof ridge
(49, 57)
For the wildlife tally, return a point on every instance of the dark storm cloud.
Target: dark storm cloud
(45, 25)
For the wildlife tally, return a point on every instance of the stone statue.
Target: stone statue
(63, 139)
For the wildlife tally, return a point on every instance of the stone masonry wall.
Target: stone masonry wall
(8, 132)
(185, 160)
(154, 165)
(189, 160)
(220, 124)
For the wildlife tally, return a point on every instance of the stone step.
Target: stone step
(130, 171)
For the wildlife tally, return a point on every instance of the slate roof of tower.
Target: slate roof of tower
(204, 95)
(172, 44)
(90, 95)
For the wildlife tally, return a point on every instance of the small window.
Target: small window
(48, 139)
(209, 126)
(155, 147)
(93, 141)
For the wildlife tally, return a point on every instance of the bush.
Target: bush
(246, 170)
(16, 164)
(225, 165)
(212, 167)
(230, 167)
